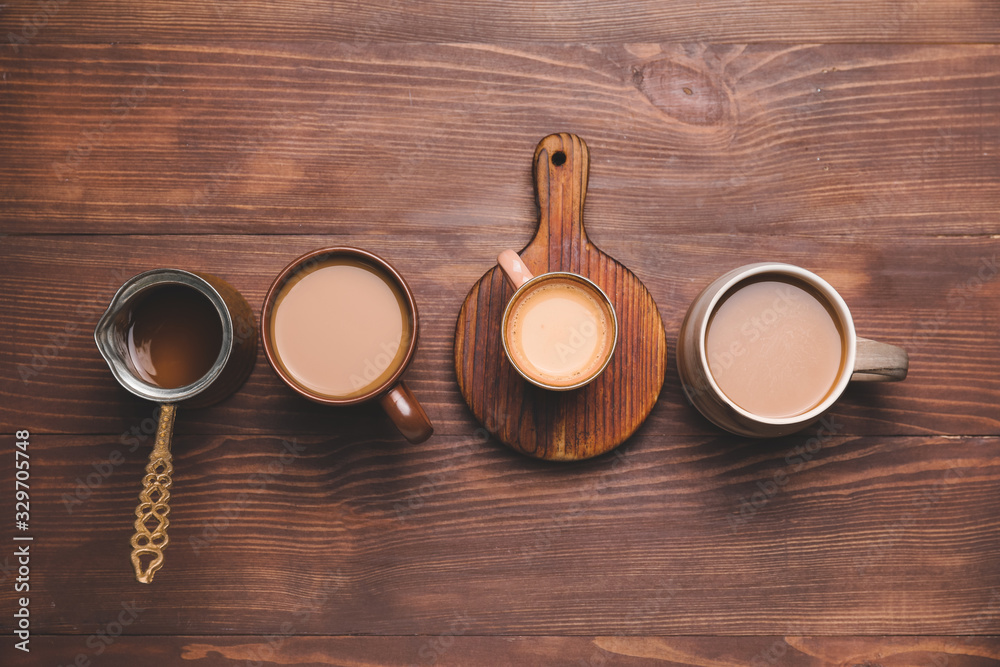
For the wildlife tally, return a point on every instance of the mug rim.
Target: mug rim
(529, 285)
(833, 298)
(294, 267)
(135, 286)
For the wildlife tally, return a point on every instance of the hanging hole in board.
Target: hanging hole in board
(558, 158)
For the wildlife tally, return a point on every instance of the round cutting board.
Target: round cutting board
(585, 422)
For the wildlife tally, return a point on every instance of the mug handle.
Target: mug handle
(514, 269)
(407, 413)
(156, 507)
(879, 362)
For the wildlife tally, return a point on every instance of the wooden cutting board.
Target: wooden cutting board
(562, 425)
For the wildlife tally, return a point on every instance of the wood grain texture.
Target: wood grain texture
(937, 297)
(853, 140)
(452, 648)
(591, 420)
(857, 139)
(560, 21)
(377, 536)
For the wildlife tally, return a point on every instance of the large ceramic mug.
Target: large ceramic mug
(766, 349)
(340, 327)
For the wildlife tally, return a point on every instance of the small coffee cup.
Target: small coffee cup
(340, 327)
(173, 337)
(559, 329)
(766, 349)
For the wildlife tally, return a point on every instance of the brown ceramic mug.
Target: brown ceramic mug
(340, 326)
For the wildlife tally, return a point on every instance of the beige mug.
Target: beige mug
(766, 349)
(559, 329)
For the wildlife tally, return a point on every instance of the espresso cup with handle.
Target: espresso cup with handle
(559, 329)
(340, 327)
(766, 349)
(173, 337)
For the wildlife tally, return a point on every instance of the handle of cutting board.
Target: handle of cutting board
(562, 167)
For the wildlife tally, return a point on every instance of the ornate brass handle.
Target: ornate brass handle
(151, 521)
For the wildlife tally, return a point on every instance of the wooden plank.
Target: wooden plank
(685, 535)
(937, 297)
(519, 21)
(454, 648)
(872, 140)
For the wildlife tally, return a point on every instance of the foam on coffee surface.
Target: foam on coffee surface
(340, 329)
(559, 333)
(774, 348)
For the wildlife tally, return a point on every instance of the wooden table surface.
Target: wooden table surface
(859, 139)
